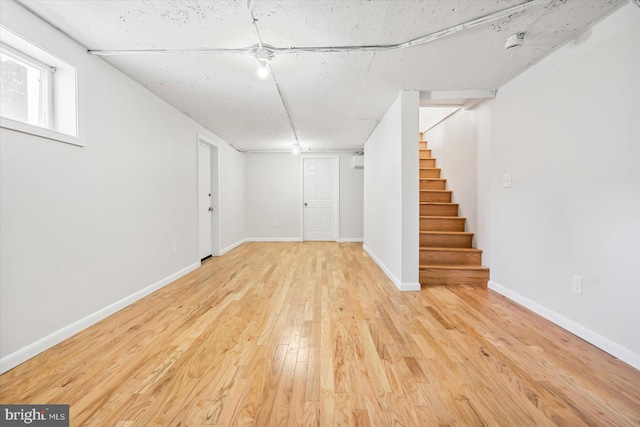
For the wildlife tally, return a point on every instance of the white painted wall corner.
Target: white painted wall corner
(233, 246)
(401, 286)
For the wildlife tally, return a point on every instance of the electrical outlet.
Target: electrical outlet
(506, 180)
(174, 248)
(576, 284)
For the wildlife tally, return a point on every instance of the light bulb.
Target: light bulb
(263, 72)
(264, 59)
(295, 150)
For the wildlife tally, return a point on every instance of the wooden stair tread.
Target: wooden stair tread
(434, 207)
(437, 275)
(430, 172)
(455, 267)
(439, 203)
(441, 196)
(432, 183)
(444, 217)
(432, 248)
(447, 232)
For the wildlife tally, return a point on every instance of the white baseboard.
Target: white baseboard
(405, 287)
(12, 360)
(232, 247)
(273, 239)
(586, 334)
(351, 240)
(390, 275)
(408, 286)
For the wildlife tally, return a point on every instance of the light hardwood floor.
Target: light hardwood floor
(314, 334)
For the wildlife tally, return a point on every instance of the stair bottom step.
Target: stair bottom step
(453, 275)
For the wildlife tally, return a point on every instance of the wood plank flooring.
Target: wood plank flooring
(289, 334)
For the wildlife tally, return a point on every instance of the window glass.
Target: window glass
(23, 90)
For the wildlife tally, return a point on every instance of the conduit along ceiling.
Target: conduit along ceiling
(335, 67)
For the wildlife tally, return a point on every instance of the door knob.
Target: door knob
(305, 204)
(210, 209)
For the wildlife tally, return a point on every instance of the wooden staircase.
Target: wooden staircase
(446, 253)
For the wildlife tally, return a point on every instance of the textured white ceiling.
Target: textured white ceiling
(334, 99)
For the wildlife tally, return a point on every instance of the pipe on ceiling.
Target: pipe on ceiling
(274, 51)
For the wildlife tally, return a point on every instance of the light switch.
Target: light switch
(506, 180)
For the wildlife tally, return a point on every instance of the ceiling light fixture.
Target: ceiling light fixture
(296, 148)
(515, 40)
(264, 60)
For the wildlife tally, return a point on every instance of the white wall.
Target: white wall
(88, 230)
(568, 131)
(274, 199)
(351, 200)
(391, 230)
(483, 220)
(454, 145)
(431, 116)
(274, 195)
(232, 197)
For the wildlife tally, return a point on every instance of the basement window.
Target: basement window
(25, 85)
(38, 90)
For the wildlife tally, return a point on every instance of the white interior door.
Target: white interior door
(204, 200)
(320, 198)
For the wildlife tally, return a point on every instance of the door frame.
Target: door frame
(336, 176)
(215, 188)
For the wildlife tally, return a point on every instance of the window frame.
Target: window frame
(65, 121)
(45, 107)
